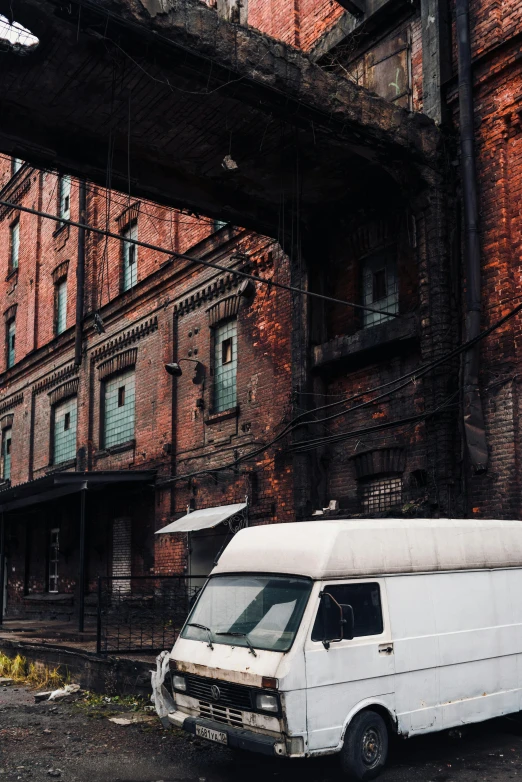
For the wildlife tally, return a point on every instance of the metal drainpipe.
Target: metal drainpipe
(473, 410)
(80, 274)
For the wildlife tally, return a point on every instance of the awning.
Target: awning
(60, 484)
(204, 519)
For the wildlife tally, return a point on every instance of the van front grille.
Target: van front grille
(235, 696)
(221, 714)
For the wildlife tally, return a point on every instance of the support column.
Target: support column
(436, 63)
(2, 565)
(81, 591)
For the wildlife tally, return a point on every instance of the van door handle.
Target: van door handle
(386, 649)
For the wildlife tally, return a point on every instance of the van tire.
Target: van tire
(365, 748)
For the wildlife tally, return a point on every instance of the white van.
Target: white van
(325, 637)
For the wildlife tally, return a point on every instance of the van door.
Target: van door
(350, 672)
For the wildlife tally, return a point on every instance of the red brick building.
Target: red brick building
(85, 400)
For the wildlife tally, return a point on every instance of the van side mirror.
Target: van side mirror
(333, 619)
(347, 622)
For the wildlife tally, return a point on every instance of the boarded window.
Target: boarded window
(386, 70)
(130, 258)
(119, 409)
(61, 306)
(380, 286)
(381, 494)
(6, 454)
(64, 197)
(14, 245)
(54, 556)
(225, 369)
(10, 342)
(64, 431)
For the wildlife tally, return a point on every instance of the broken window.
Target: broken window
(130, 257)
(235, 11)
(225, 369)
(380, 287)
(64, 430)
(54, 554)
(381, 494)
(6, 454)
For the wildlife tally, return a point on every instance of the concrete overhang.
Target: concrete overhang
(153, 96)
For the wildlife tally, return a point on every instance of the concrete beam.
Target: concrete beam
(176, 89)
(436, 63)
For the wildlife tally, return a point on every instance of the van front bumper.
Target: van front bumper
(238, 738)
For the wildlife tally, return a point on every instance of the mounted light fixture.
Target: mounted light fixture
(175, 370)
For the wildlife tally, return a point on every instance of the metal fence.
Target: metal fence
(143, 613)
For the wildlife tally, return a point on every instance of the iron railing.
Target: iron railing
(143, 613)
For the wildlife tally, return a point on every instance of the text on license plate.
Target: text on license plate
(211, 735)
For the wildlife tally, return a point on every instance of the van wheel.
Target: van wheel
(365, 747)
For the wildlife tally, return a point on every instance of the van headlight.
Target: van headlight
(265, 702)
(179, 683)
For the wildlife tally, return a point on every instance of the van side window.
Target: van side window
(365, 599)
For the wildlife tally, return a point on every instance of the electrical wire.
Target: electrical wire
(184, 257)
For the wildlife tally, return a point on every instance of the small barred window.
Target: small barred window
(381, 494)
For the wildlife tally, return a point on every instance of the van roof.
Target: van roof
(352, 548)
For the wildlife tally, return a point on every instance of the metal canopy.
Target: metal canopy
(51, 487)
(204, 519)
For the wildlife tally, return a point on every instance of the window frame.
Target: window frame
(52, 448)
(5, 438)
(64, 183)
(374, 479)
(62, 281)
(386, 260)
(14, 257)
(361, 639)
(217, 362)
(102, 411)
(129, 231)
(9, 323)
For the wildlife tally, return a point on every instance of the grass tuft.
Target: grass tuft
(38, 677)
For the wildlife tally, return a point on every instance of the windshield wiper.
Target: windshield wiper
(203, 627)
(242, 635)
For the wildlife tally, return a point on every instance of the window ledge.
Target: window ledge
(11, 275)
(60, 228)
(70, 464)
(213, 418)
(366, 340)
(114, 449)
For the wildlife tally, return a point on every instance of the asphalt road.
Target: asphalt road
(78, 743)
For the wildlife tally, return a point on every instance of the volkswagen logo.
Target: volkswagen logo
(215, 692)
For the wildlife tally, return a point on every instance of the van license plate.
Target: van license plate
(211, 735)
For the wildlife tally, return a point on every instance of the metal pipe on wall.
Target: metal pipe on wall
(80, 273)
(474, 425)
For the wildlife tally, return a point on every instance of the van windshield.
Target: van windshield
(259, 611)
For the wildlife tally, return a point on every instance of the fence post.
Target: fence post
(99, 617)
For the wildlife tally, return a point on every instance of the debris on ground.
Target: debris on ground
(133, 719)
(64, 692)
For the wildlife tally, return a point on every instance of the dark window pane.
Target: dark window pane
(226, 351)
(379, 285)
(121, 396)
(365, 599)
(66, 421)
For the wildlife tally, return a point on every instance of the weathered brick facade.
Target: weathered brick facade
(398, 449)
